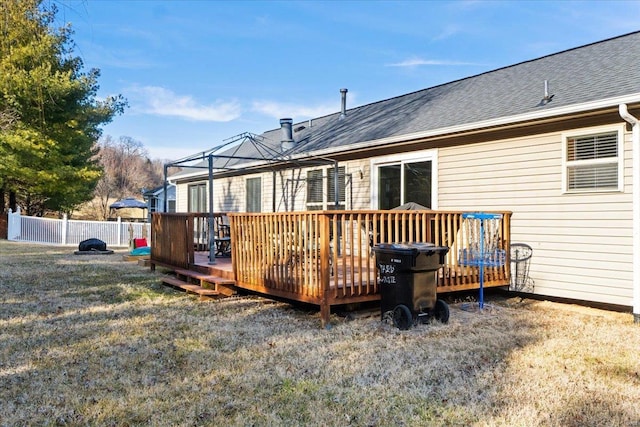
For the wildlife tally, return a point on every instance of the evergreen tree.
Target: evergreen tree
(50, 117)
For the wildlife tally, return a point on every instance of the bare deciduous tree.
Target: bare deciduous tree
(127, 169)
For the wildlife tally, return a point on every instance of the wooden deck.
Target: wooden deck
(324, 258)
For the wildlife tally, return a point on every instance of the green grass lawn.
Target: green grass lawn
(93, 340)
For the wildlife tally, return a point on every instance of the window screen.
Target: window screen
(592, 162)
(198, 198)
(314, 186)
(331, 191)
(254, 195)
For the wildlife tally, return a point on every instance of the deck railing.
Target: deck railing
(175, 237)
(327, 257)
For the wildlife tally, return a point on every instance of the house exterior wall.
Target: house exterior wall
(361, 189)
(291, 186)
(228, 194)
(582, 243)
(290, 189)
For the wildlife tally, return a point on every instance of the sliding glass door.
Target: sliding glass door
(403, 180)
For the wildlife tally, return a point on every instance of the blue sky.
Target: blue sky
(198, 72)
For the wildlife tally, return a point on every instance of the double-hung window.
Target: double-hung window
(254, 194)
(321, 192)
(341, 189)
(198, 198)
(593, 161)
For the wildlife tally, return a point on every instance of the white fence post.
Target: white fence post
(65, 228)
(14, 224)
(119, 231)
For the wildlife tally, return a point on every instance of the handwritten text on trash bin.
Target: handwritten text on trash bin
(387, 273)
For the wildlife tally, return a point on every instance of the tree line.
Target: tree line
(52, 156)
(127, 170)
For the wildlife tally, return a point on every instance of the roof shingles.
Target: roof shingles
(601, 70)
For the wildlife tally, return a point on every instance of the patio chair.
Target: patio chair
(222, 238)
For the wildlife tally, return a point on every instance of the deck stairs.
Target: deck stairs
(204, 285)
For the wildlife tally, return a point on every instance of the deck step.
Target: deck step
(190, 287)
(223, 286)
(204, 277)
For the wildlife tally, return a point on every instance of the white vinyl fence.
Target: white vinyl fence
(72, 232)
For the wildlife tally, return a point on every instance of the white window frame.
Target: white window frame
(619, 129)
(326, 175)
(204, 198)
(246, 196)
(413, 157)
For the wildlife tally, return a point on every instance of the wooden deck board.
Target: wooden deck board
(189, 287)
(202, 277)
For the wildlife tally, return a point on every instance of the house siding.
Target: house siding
(360, 187)
(290, 189)
(182, 194)
(582, 243)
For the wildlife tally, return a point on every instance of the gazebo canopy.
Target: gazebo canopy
(129, 202)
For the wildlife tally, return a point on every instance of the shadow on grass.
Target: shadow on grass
(102, 342)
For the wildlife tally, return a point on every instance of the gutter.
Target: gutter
(635, 140)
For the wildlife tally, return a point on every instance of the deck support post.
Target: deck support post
(210, 223)
(164, 187)
(325, 313)
(325, 272)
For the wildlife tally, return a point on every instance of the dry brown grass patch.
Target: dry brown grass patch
(97, 341)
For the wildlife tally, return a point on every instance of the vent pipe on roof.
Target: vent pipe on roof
(547, 97)
(546, 89)
(343, 109)
(287, 142)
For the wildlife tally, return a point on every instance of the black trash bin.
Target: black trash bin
(407, 275)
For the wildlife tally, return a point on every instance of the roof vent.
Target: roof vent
(546, 98)
(343, 109)
(287, 142)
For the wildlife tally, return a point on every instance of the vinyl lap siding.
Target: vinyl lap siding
(290, 189)
(228, 195)
(182, 197)
(360, 187)
(582, 243)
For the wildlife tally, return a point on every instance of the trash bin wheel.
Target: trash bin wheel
(402, 317)
(441, 311)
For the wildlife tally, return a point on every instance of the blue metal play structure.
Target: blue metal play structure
(478, 255)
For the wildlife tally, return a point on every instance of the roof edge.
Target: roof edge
(501, 121)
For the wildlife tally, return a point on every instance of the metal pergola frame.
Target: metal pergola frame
(269, 159)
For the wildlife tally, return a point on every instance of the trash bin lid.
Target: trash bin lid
(411, 247)
(394, 247)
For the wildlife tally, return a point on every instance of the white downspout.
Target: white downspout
(635, 139)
